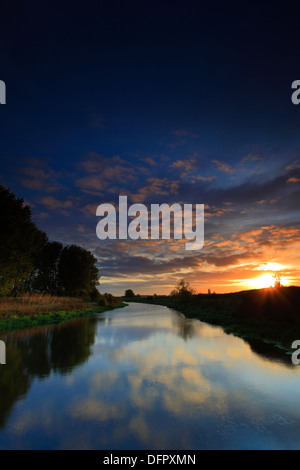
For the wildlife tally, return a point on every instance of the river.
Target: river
(145, 377)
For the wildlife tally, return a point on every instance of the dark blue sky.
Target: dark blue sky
(164, 102)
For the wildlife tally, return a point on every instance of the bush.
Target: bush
(129, 293)
(182, 293)
(101, 301)
(94, 295)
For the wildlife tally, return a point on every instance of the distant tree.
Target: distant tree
(129, 293)
(77, 271)
(20, 242)
(277, 279)
(182, 292)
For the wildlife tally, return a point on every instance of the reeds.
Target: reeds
(38, 304)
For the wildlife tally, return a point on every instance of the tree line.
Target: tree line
(29, 262)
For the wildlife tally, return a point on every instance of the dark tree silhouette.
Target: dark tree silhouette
(20, 242)
(46, 276)
(29, 262)
(182, 292)
(277, 279)
(77, 273)
(129, 293)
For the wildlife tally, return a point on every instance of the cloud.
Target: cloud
(262, 201)
(102, 172)
(209, 179)
(189, 167)
(293, 166)
(252, 158)
(54, 204)
(213, 211)
(185, 166)
(225, 167)
(89, 209)
(226, 259)
(40, 179)
(293, 179)
(181, 136)
(184, 133)
(149, 160)
(155, 186)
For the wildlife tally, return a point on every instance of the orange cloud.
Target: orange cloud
(224, 166)
(293, 179)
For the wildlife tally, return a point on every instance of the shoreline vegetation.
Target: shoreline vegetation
(30, 310)
(271, 315)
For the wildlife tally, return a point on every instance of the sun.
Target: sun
(266, 280)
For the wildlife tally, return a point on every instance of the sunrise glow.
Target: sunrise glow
(266, 280)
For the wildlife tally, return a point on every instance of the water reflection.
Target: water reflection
(269, 352)
(145, 377)
(37, 352)
(185, 326)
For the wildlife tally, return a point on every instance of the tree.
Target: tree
(77, 273)
(277, 279)
(129, 293)
(182, 292)
(20, 242)
(46, 276)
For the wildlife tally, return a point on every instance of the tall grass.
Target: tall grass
(38, 304)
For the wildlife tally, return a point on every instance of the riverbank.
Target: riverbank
(23, 312)
(271, 315)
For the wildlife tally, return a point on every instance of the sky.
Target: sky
(164, 102)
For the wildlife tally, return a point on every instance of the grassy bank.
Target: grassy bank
(35, 310)
(271, 315)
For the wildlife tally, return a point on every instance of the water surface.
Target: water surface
(144, 377)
